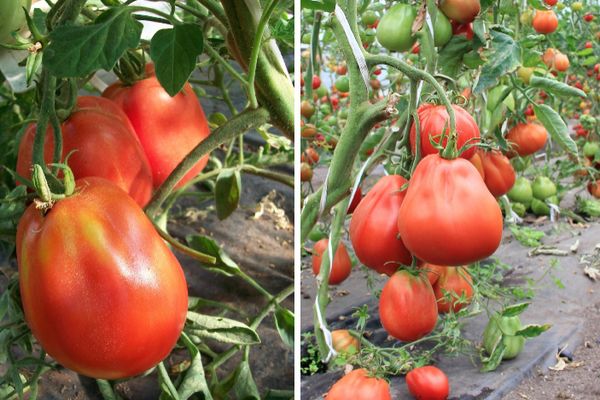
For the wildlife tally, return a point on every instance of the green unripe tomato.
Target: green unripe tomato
(560, 6)
(394, 31)
(442, 30)
(369, 17)
(306, 38)
(524, 73)
(12, 18)
(521, 192)
(543, 188)
(332, 121)
(342, 84)
(321, 91)
(539, 207)
(519, 208)
(590, 149)
(343, 113)
(317, 234)
(506, 327)
(325, 109)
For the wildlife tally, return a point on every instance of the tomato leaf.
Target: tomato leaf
(227, 192)
(514, 310)
(174, 52)
(529, 331)
(194, 380)
(324, 5)
(206, 245)
(77, 50)
(505, 57)
(245, 387)
(284, 322)
(221, 329)
(450, 58)
(556, 126)
(590, 61)
(537, 4)
(585, 52)
(556, 87)
(492, 362)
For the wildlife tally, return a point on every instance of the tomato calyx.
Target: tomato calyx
(131, 68)
(46, 197)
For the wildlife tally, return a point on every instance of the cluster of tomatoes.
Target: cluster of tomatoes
(113, 265)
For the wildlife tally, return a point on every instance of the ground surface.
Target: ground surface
(572, 310)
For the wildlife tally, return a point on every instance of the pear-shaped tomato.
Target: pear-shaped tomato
(499, 174)
(434, 121)
(358, 385)
(457, 282)
(102, 143)
(394, 31)
(342, 265)
(407, 306)
(101, 291)
(374, 230)
(448, 216)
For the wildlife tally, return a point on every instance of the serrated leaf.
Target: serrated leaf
(245, 387)
(324, 5)
(554, 86)
(174, 52)
(77, 50)
(227, 192)
(504, 57)
(555, 126)
(514, 310)
(530, 331)
(284, 322)
(194, 380)
(224, 264)
(221, 329)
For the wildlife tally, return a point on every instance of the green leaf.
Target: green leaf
(245, 387)
(556, 87)
(527, 236)
(556, 126)
(221, 329)
(537, 4)
(590, 61)
(472, 59)
(206, 245)
(76, 51)
(504, 58)
(450, 58)
(530, 331)
(194, 380)
(324, 5)
(174, 52)
(492, 362)
(227, 192)
(585, 52)
(284, 322)
(514, 310)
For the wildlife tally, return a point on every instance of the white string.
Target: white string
(326, 332)
(323, 195)
(356, 49)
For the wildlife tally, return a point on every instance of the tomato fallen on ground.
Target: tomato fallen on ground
(168, 127)
(101, 291)
(342, 264)
(103, 144)
(344, 342)
(358, 385)
(428, 383)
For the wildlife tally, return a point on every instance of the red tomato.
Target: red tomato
(458, 282)
(344, 342)
(311, 155)
(433, 119)
(316, 82)
(101, 291)
(551, 3)
(358, 385)
(105, 143)
(526, 139)
(342, 69)
(428, 383)
(588, 45)
(407, 306)
(306, 172)
(433, 272)
(373, 227)
(448, 216)
(588, 17)
(462, 11)
(545, 21)
(463, 29)
(341, 262)
(499, 174)
(356, 199)
(168, 127)
(478, 163)
(416, 48)
(594, 188)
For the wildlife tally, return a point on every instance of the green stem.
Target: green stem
(242, 122)
(205, 258)
(48, 88)
(215, 9)
(265, 173)
(166, 379)
(215, 54)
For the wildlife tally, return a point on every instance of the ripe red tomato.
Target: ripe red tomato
(342, 264)
(433, 272)
(588, 17)
(455, 280)
(359, 385)
(462, 11)
(437, 221)
(594, 188)
(499, 174)
(463, 29)
(105, 143)
(478, 163)
(306, 172)
(316, 82)
(588, 45)
(526, 139)
(101, 291)
(545, 21)
(432, 121)
(168, 127)
(373, 227)
(344, 342)
(407, 306)
(342, 69)
(356, 199)
(428, 383)
(551, 3)
(311, 155)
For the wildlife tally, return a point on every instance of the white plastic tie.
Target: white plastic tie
(326, 332)
(356, 49)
